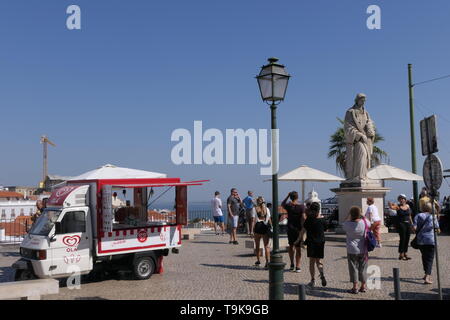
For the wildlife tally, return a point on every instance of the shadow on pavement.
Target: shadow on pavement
(379, 258)
(6, 274)
(210, 242)
(234, 267)
(90, 298)
(9, 254)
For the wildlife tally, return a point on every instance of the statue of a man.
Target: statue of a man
(359, 132)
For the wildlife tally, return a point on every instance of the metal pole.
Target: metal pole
(436, 247)
(397, 284)
(301, 292)
(413, 137)
(276, 265)
(303, 191)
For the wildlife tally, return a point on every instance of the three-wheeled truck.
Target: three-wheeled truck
(81, 231)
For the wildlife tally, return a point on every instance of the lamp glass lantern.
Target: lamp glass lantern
(273, 81)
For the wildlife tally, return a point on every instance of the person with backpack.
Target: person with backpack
(356, 228)
(375, 220)
(423, 226)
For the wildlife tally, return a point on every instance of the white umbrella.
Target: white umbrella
(110, 171)
(305, 173)
(387, 172)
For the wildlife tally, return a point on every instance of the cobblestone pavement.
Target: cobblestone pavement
(210, 268)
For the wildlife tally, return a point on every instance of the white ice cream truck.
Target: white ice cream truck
(82, 231)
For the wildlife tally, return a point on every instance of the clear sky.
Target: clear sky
(114, 91)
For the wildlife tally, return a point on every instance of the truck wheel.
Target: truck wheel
(23, 275)
(143, 268)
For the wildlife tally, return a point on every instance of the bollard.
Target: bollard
(301, 292)
(397, 284)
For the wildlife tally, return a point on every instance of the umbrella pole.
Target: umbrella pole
(303, 191)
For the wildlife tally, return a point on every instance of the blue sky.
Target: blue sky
(114, 91)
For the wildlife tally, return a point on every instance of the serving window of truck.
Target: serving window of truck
(125, 219)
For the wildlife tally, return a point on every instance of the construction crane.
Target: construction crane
(44, 142)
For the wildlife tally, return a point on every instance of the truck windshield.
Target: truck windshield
(45, 223)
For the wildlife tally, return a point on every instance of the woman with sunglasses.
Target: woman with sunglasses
(404, 225)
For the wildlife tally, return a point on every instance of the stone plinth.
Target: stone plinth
(356, 194)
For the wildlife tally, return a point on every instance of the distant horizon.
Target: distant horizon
(116, 89)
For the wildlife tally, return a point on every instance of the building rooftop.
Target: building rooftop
(10, 194)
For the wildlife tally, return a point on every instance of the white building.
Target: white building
(13, 205)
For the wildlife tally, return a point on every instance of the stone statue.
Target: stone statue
(359, 132)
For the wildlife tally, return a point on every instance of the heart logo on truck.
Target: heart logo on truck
(71, 241)
(142, 235)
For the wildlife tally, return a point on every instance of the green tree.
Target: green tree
(337, 148)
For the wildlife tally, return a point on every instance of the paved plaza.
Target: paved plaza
(208, 267)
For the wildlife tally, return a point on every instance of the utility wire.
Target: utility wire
(431, 80)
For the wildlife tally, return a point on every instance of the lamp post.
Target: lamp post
(273, 80)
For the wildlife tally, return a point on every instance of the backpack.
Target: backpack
(371, 242)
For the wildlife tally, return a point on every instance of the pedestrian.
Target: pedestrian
(404, 225)
(296, 218)
(250, 213)
(216, 204)
(423, 226)
(234, 205)
(262, 225)
(356, 228)
(315, 227)
(39, 210)
(374, 218)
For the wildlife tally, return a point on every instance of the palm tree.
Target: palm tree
(337, 148)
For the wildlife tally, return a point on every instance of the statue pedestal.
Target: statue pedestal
(356, 194)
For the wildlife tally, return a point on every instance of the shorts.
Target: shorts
(218, 219)
(293, 236)
(315, 250)
(234, 221)
(250, 213)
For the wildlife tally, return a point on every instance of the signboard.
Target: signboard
(107, 210)
(432, 172)
(59, 195)
(428, 134)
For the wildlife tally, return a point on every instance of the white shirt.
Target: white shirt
(372, 214)
(216, 204)
(266, 221)
(116, 202)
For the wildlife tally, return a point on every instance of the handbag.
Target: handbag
(414, 243)
(370, 238)
(270, 230)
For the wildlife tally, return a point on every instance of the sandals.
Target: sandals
(362, 290)
(353, 291)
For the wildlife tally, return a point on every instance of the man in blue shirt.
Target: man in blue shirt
(250, 212)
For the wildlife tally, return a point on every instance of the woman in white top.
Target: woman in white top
(261, 230)
(373, 216)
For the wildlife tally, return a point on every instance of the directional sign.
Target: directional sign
(432, 172)
(428, 134)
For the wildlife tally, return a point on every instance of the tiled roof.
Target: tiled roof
(10, 194)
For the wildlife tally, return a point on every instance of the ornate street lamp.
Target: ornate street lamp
(273, 80)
